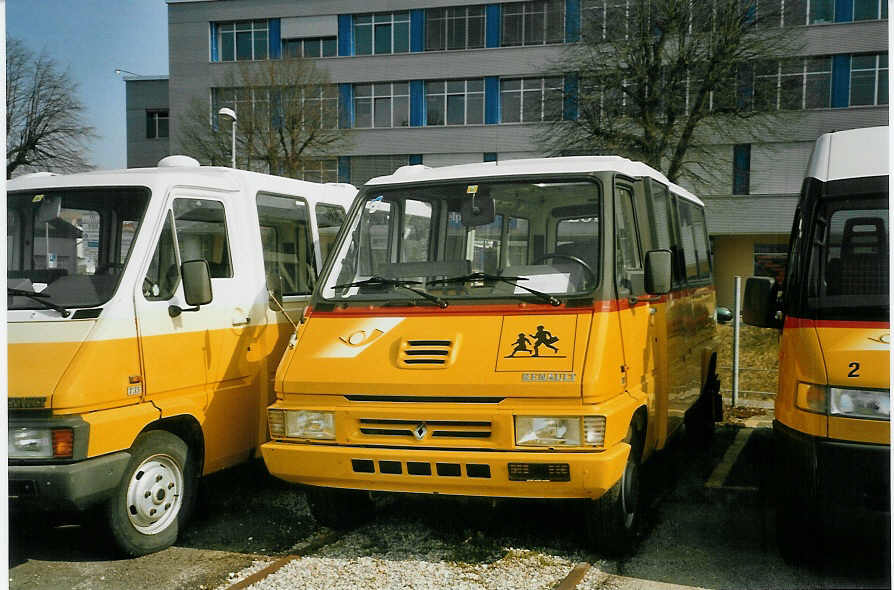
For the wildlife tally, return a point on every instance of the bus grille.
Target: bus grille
(424, 429)
(425, 354)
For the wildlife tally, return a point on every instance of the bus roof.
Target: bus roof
(855, 153)
(564, 165)
(187, 174)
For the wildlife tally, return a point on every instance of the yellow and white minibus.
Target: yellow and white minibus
(142, 338)
(527, 329)
(831, 428)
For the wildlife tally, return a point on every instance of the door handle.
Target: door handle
(241, 322)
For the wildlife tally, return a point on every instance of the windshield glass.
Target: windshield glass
(69, 246)
(848, 272)
(521, 239)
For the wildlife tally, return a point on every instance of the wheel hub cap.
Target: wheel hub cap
(154, 494)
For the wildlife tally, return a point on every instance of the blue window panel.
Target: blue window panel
(490, 156)
(274, 37)
(493, 15)
(742, 169)
(345, 106)
(345, 35)
(572, 21)
(344, 169)
(844, 11)
(215, 56)
(415, 159)
(570, 106)
(491, 100)
(417, 103)
(841, 81)
(417, 30)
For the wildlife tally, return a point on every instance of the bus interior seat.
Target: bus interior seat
(863, 266)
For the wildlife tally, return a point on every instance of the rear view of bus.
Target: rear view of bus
(833, 404)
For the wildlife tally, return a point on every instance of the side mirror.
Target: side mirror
(196, 282)
(724, 315)
(759, 305)
(658, 272)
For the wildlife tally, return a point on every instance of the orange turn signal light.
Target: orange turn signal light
(63, 443)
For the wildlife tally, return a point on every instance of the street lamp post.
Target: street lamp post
(226, 112)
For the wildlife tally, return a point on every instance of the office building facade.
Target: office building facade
(441, 82)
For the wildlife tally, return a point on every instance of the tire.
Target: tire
(155, 495)
(612, 519)
(337, 508)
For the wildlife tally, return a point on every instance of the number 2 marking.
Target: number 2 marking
(854, 368)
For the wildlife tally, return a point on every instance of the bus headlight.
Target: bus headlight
(40, 443)
(559, 431)
(860, 403)
(310, 424)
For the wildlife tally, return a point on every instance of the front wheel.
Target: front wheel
(150, 503)
(612, 519)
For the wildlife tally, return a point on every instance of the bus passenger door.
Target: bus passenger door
(638, 312)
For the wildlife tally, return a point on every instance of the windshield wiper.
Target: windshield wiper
(41, 298)
(483, 276)
(377, 281)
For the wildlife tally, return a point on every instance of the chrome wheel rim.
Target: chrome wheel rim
(154, 494)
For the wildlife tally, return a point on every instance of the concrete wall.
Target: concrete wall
(144, 94)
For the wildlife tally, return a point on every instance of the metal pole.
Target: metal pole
(736, 325)
(234, 143)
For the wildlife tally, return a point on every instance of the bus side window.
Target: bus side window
(202, 234)
(687, 239)
(628, 266)
(330, 218)
(163, 276)
(662, 226)
(286, 243)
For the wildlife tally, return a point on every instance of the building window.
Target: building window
(533, 23)
(605, 19)
(531, 99)
(454, 102)
(459, 27)
(869, 79)
(243, 40)
(319, 170)
(791, 84)
(382, 32)
(820, 11)
(318, 106)
(156, 124)
(243, 101)
(315, 107)
(870, 9)
(383, 104)
(742, 169)
(311, 47)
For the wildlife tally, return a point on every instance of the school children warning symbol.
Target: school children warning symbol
(540, 338)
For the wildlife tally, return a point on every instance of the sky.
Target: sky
(89, 39)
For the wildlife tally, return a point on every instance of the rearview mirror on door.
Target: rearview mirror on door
(196, 282)
(658, 272)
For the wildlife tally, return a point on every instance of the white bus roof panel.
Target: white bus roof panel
(565, 165)
(855, 153)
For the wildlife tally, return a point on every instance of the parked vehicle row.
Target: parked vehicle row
(523, 329)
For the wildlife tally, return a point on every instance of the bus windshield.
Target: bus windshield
(470, 240)
(847, 276)
(67, 247)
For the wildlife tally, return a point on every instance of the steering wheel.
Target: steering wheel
(580, 261)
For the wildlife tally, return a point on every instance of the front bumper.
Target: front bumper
(72, 486)
(846, 483)
(453, 472)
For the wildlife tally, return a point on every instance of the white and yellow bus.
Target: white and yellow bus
(142, 338)
(528, 329)
(833, 405)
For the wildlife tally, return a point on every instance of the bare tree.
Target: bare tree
(661, 83)
(44, 117)
(287, 118)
